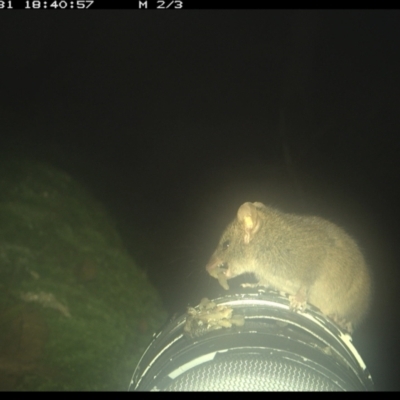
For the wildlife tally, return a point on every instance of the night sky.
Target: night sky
(173, 119)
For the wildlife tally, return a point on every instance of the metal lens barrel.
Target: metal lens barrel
(276, 349)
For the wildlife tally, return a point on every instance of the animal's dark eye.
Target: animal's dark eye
(226, 244)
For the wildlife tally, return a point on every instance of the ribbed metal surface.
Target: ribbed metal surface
(252, 373)
(275, 349)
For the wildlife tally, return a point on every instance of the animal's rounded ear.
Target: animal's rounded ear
(249, 219)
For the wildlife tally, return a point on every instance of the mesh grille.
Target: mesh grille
(252, 373)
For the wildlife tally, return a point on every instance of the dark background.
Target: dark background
(173, 119)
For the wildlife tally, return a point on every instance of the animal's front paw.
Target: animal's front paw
(222, 280)
(298, 302)
(297, 305)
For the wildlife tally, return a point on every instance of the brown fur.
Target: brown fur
(309, 258)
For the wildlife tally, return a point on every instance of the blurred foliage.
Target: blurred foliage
(76, 312)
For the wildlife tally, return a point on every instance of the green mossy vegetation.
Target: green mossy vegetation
(57, 242)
